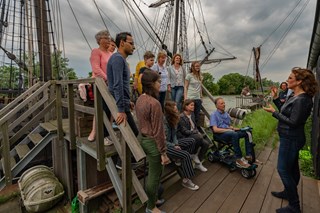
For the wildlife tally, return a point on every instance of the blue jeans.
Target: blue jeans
(288, 166)
(176, 95)
(197, 108)
(234, 137)
(162, 98)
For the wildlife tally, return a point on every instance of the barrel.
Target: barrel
(40, 189)
(237, 113)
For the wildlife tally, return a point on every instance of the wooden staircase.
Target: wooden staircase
(24, 152)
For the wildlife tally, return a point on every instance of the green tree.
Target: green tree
(5, 76)
(60, 67)
(233, 83)
(207, 81)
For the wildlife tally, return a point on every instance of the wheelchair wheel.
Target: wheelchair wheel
(212, 158)
(248, 173)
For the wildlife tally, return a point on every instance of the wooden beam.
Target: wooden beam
(24, 103)
(85, 195)
(101, 164)
(17, 100)
(6, 154)
(71, 117)
(126, 131)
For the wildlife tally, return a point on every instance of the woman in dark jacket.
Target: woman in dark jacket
(292, 118)
(179, 150)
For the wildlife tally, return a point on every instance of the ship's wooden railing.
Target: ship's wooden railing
(29, 108)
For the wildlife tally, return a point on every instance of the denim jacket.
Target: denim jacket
(293, 115)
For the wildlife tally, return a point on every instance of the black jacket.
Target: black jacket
(184, 126)
(293, 115)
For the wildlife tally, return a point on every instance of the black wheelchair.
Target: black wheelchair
(222, 151)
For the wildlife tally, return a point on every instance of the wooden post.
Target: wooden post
(101, 164)
(71, 117)
(43, 40)
(126, 177)
(6, 154)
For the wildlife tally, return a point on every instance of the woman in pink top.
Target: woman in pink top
(99, 59)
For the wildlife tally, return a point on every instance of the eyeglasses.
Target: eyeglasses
(130, 42)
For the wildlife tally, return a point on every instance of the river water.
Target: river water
(229, 99)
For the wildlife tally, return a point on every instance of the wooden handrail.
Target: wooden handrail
(24, 103)
(16, 101)
(76, 81)
(206, 91)
(126, 131)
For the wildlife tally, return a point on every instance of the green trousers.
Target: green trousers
(155, 169)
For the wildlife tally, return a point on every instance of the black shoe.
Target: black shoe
(281, 195)
(288, 209)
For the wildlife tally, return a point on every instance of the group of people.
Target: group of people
(182, 145)
(176, 137)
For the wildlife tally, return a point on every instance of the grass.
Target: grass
(263, 127)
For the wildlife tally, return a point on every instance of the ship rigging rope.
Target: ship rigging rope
(74, 15)
(284, 35)
(280, 23)
(95, 3)
(140, 21)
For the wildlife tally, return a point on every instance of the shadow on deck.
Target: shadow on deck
(222, 191)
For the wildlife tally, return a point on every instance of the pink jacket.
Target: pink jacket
(99, 61)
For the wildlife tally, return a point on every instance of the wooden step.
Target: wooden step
(35, 138)
(49, 127)
(12, 162)
(22, 150)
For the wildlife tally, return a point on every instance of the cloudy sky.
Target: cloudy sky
(236, 25)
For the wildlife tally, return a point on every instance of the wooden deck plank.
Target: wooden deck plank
(109, 150)
(238, 195)
(310, 195)
(35, 138)
(271, 203)
(22, 150)
(181, 196)
(49, 127)
(216, 199)
(200, 196)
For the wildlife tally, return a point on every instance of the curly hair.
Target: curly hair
(102, 34)
(172, 116)
(308, 80)
(174, 57)
(148, 79)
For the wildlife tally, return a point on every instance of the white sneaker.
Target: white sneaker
(201, 167)
(195, 158)
(107, 141)
(188, 184)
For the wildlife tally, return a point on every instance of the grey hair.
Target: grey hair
(102, 33)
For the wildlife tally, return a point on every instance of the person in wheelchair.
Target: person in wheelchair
(220, 123)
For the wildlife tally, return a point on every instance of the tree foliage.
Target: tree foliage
(207, 81)
(231, 84)
(60, 67)
(5, 76)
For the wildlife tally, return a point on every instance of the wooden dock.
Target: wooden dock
(224, 191)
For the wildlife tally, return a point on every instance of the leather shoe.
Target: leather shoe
(281, 195)
(288, 209)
